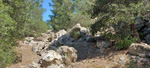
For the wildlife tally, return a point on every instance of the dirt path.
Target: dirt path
(28, 56)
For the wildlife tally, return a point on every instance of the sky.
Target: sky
(48, 8)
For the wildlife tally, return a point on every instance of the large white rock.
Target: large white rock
(60, 33)
(51, 60)
(40, 46)
(83, 31)
(29, 38)
(69, 54)
(77, 26)
(32, 43)
(142, 50)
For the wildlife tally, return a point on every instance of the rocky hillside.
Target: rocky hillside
(76, 48)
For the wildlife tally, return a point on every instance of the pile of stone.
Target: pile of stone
(52, 49)
(55, 50)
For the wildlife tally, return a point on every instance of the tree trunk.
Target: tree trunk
(135, 32)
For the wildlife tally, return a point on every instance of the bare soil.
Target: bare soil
(28, 56)
(90, 57)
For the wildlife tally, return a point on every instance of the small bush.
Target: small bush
(7, 54)
(75, 34)
(122, 42)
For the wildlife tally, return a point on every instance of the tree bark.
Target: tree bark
(135, 32)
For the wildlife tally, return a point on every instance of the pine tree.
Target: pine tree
(67, 13)
(19, 18)
(120, 14)
(62, 11)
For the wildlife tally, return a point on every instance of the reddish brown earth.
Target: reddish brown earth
(28, 56)
(108, 59)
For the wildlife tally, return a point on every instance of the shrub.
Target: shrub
(125, 42)
(122, 42)
(7, 53)
(16, 23)
(75, 34)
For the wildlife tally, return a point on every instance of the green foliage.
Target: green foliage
(122, 42)
(119, 15)
(99, 25)
(7, 54)
(18, 18)
(67, 13)
(62, 11)
(75, 34)
(118, 11)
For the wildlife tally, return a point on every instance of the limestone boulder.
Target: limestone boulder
(60, 33)
(40, 46)
(29, 38)
(139, 49)
(84, 31)
(51, 60)
(69, 54)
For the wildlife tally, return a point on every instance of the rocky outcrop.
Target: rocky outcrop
(60, 33)
(78, 31)
(51, 60)
(103, 43)
(142, 50)
(69, 54)
(47, 37)
(29, 38)
(63, 56)
(77, 27)
(41, 46)
(54, 47)
(53, 54)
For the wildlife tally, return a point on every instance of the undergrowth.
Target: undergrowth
(121, 42)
